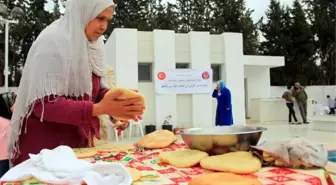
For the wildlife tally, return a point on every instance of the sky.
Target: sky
(259, 6)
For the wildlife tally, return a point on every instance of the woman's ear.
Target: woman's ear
(12, 108)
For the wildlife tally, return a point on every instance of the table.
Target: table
(154, 173)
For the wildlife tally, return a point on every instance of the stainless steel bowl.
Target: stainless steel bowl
(220, 140)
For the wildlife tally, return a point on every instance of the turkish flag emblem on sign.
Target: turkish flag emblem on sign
(161, 75)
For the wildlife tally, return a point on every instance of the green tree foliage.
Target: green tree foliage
(321, 14)
(164, 16)
(22, 35)
(302, 50)
(218, 16)
(276, 32)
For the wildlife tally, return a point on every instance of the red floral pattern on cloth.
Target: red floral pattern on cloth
(154, 173)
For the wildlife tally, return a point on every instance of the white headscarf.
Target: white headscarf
(60, 62)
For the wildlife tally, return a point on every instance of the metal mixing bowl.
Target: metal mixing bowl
(220, 140)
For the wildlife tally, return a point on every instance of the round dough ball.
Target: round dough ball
(225, 140)
(219, 150)
(127, 94)
(202, 143)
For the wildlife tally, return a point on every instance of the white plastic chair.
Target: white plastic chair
(135, 123)
(116, 135)
(111, 129)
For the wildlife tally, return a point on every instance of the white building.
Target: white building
(134, 55)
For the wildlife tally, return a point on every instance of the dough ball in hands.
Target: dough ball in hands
(126, 94)
(182, 159)
(223, 179)
(233, 162)
(158, 139)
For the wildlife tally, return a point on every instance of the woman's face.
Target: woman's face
(98, 26)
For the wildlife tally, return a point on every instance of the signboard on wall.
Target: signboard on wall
(183, 81)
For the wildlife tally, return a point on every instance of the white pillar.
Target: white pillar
(164, 58)
(122, 56)
(233, 74)
(200, 56)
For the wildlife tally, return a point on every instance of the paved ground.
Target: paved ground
(278, 131)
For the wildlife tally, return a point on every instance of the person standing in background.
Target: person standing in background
(301, 98)
(224, 106)
(331, 105)
(7, 100)
(287, 95)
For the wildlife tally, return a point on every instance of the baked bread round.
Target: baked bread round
(233, 162)
(114, 147)
(85, 152)
(182, 159)
(136, 174)
(157, 139)
(223, 179)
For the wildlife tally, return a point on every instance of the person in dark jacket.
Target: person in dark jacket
(6, 108)
(301, 98)
(224, 107)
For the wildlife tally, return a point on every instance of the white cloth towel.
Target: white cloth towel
(61, 166)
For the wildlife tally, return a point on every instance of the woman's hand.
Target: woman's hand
(119, 108)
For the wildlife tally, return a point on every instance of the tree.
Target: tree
(131, 14)
(302, 51)
(24, 34)
(233, 16)
(56, 10)
(277, 40)
(184, 12)
(164, 16)
(250, 34)
(321, 14)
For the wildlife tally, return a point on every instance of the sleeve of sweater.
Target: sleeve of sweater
(65, 111)
(101, 94)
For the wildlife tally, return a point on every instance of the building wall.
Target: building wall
(257, 83)
(163, 50)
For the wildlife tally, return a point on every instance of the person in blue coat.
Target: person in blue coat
(224, 106)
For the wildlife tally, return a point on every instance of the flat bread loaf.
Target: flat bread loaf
(157, 139)
(114, 147)
(127, 94)
(182, 159)
(85, 152)
(223, 179)
(136, 174)
(233, 162)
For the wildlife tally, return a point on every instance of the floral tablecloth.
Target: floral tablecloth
(154, 173)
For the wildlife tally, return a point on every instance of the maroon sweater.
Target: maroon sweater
(65, 122)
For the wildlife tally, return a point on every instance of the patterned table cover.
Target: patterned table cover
(154, 173)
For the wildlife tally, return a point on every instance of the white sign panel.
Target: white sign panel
(183, 81)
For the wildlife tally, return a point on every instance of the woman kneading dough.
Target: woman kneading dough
(62, 90)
